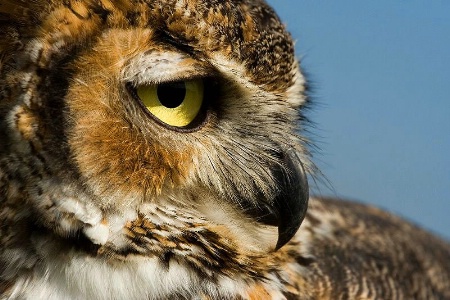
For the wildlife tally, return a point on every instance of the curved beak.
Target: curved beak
(288, 209)
(292, 201)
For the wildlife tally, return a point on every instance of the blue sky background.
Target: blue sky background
(381, 77)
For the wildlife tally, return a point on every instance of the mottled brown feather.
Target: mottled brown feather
(92, 185)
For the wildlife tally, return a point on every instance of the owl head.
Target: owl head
(136, 127)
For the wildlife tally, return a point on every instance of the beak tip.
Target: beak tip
(292, 203)
(286, 230)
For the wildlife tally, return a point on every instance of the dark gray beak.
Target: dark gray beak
(288, 209)
(292, 202)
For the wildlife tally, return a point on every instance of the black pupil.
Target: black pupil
(171, 94)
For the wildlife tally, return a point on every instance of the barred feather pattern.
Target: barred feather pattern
(100, 201)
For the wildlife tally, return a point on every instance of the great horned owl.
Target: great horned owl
(152, 149)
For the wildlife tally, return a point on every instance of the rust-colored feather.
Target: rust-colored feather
(99, 200)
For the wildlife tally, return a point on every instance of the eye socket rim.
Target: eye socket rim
(201, 119)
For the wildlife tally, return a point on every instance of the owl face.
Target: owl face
(130, 126)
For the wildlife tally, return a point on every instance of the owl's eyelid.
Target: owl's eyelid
(206, 79)
(152, 68)
(174, 80)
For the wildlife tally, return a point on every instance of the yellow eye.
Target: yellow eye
(174, 103)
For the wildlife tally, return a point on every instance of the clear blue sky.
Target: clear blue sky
(381, 76)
